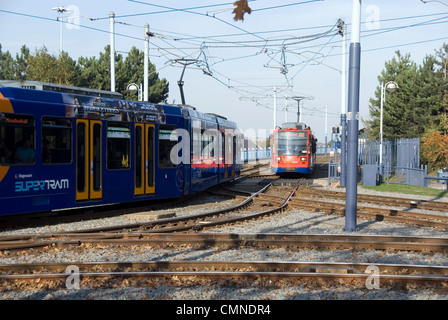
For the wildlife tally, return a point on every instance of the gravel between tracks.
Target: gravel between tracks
(291, 221)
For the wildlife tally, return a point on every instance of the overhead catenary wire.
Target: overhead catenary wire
(277, 48)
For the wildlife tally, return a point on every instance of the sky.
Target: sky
(240, 69)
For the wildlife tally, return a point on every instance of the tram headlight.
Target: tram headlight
(303, 158)
(279, 158)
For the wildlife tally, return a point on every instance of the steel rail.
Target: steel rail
(226, 270)
(11, 243)
(176, 220)
(259, 241)
(378, 214)
(267, 266)
(393, 201)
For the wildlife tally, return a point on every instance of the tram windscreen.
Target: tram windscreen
(291, 143)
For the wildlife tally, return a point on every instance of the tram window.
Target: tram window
(118, 146)
(81, 132)
(292, 143)
(167, 141)
(209, 140)
(151, 156)
(56, 140)
(17, 139)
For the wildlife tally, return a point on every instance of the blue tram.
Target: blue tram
(294, 149)
(66, 147)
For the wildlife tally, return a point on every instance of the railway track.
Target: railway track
(176, 234)
(196, 222)
(191, 272)
(230, 240)
(252, 206)
(118, 209)
(410, 203)
(307, 200)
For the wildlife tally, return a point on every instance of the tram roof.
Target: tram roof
(45, 86)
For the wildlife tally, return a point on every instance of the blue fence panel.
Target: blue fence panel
(255, 154)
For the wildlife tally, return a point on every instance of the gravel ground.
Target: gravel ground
(291, 221)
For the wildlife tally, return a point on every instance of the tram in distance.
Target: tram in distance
(67, 147)
(294, 149)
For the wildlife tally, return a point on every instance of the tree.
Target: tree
(441, 60)
(7, 65)
(66, 71)
(102, 70)
(434, 149)
(402, 116)
(22, 61)
(45, 67)
(42, 66)
(132, 71)
(429, 92)
(85, 72)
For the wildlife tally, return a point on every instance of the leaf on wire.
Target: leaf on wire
(241, 8)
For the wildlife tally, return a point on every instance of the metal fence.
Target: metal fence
(401, 160)
(396, 153)
(249, 155)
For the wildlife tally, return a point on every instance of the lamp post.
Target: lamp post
(61, 11)
(390, 86)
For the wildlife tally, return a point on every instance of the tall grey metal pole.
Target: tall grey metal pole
(343, 150)
(383, 95)
(61, 11)
(353, 120)
(275, 107)
(146, 64)
(343, 107)
(326, 131)
(112, 50)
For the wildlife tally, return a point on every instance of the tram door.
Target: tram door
(88, 160)
(144, 159)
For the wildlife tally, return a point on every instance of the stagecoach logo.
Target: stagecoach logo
(38, 185)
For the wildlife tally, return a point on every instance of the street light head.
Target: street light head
(391, 86)
(132, 87)
(61, 9)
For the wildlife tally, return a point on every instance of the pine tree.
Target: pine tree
(401, 116)
(85, 72)
(7, 65)
(133, 72)
(42, 66)
(65, 69)
(22, 61)
(442, 61)
(429, 96)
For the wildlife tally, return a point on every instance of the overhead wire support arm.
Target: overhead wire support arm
(185, 63)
